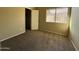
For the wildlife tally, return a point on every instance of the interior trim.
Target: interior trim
(12, 36)
(53, 32)
(73, 44)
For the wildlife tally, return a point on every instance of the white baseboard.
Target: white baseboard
(74, 45)
(76, 49)
(54, 32)
(12, 36)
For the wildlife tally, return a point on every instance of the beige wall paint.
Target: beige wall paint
(12, 21)
(74, 27)
(51, 27)
(31, 8)
(34, 19)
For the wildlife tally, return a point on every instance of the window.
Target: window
(58, 15)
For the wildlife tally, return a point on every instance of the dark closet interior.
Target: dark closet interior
(27, 19)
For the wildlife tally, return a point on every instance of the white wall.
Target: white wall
(34, 19)
(74, 27)
(12, 22)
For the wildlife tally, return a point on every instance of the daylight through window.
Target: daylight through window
(58, 15)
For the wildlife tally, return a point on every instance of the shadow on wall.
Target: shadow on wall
(74, 27)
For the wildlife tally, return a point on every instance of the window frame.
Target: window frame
(56, 16)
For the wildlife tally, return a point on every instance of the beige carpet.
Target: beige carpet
(38, 41)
